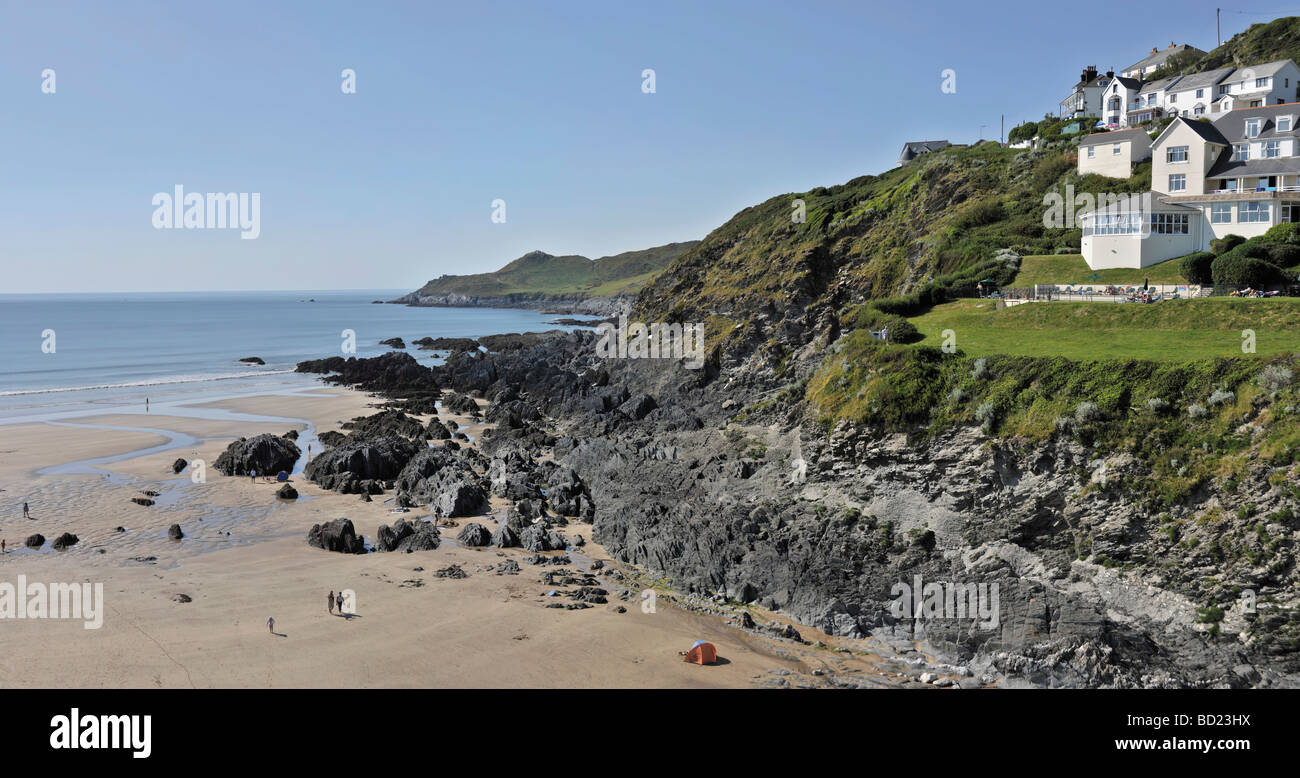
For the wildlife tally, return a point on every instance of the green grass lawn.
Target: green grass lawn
(1176, 330)
(1072, 269)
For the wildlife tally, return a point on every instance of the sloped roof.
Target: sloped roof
(913, 148)
(1112, 137)
(1159, 57)
(1261, 71)
(1199, 80)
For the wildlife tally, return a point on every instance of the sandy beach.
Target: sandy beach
(244, 559)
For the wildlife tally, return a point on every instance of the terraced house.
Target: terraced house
(1239, 174)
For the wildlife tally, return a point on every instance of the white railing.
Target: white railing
(1256, 190)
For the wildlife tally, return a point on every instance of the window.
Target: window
(1168, 224)
(1223, 90)
(1253, 212)
(1221, 213)
(1284, 124)
(1176, 154)
(1115, 149)
(1252, 128)
(1241, 152)
(1092, 152)
(1200, 93)
(1260, 83)
(1178, 182)
(1115, 224)
(1230, 184)
(1272, 148)
(1173, 98)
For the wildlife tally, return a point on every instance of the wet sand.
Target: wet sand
(244, 558)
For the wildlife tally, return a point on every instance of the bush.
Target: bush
(980, 369)
(985, 415)
(1196, 268)
(1275, 378)
(1220, 397)
(1280, 254)
(1235, 268)
(1157, 405)
(1226, 243)
(1087, 412)
(1287, 232)
(1197, 411)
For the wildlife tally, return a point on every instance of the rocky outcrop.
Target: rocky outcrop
(474, 534)
(361, 465)
(408, 536)
(287, 492)
(267, 454)
(444, 479)
(393, 343)
(253, 361)
(65, 541)
(179, 465)
(35, 541)
(446, 344)
(386, 423)
(174, 532)
(337, 535)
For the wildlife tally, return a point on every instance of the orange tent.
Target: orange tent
(702, 653)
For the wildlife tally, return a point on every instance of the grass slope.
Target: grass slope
(1072, 269)
(1173, 331)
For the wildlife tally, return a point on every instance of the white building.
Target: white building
(1113, 154)
(1155, 59)
(1149, 103)
(1192, 95)
(1238, 175)
(1272, 83)
(1085, 97)
(1116, 99)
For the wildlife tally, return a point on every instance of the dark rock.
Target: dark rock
(408, 536)
(35, 541)
(182, 598)
(66, 540)
(351, 466)
(174, 532)
(253, 361)
(505, 536)
(474, 534)
(446, 344)
(393, 343)
(291, 435)
(389, 422)
(145, 501)
(451, 571)
(287, 492)
(179, 465)
(337, 535)
(267, 454)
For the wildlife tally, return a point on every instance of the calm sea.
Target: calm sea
(62, 354)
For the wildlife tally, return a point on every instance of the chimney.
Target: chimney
(1155, 50)
(1171, 44)
(1110, 74)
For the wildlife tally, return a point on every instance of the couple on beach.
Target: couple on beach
(333, 600)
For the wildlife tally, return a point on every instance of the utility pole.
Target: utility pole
(1218, 29)
(1002, 134)
(982, 126)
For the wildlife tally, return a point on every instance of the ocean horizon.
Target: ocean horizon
(96, 350)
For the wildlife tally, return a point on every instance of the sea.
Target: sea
(68, 355)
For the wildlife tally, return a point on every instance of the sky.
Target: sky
(541, 105)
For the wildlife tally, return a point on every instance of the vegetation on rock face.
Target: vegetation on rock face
(1266, 42)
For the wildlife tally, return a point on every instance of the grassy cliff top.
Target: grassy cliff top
(540, 273)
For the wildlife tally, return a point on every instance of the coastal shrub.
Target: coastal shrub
(979, 213)
(1286, 232)
(1086, 412)
(1225, 244)
(1236, 269)
(1220, 397)
(1196, 268)
(1063, 423)
(1275, 378)
(1157, 405)
(986, 414)
(1197, 411)
(957, 396)
(980, 368)
(1280, 254)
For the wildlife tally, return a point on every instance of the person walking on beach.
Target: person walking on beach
(339, 600)
(26, 513)
(270, 624)
(252, 476)
(329, 601)
(2, 546)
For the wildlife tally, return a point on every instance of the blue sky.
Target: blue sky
(457, 104)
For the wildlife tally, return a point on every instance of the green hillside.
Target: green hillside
(1265, 42)
(540, 273)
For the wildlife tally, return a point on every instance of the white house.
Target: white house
(1113, 153)
(1155, 59)
(1271, 83)
(1192, 95)
(1238, 175)
(1149, 103)
(1116, 98)
(1085, 97)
